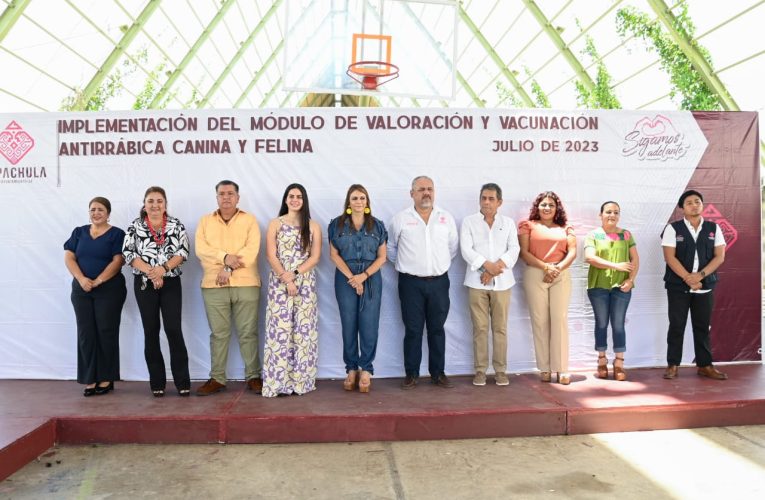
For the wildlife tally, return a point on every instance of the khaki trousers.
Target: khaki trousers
(221, 304)
(548, 308)
(488, 305)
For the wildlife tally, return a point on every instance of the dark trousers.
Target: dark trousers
(167, 301)
(424, 303)
(700, 306)
(98, 315)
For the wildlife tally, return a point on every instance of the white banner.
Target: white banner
(53, 164)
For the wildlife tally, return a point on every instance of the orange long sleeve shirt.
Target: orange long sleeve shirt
(214, 239)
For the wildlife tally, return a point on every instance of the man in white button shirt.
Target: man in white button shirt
(489, 245)
(422, 241)
(693, 250)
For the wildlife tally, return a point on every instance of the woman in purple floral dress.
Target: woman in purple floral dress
(293, 248)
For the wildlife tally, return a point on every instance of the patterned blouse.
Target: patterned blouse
(141, 243)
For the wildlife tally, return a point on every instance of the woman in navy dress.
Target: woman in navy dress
(93, 255)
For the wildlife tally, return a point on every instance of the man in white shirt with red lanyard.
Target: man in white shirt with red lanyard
(489, 245)
(693, 250)
(422, 241)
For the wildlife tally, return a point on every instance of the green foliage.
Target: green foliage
(601, 96)
(536, 90)
(686, 81)
(508, 96)
(151, 88)
(113, 86)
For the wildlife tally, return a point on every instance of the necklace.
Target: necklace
(158, 237)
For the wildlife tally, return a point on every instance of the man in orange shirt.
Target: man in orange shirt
(227, 243)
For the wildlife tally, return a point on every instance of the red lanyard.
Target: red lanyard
(159, 239)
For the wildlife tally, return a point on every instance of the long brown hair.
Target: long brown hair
(560, 218)
(305, 215)
(344, 216)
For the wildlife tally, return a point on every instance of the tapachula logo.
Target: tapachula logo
(655, 139)
(15, 143)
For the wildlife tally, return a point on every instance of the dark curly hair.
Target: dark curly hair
(560, 218)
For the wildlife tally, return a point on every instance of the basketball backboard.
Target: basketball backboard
(324, 37)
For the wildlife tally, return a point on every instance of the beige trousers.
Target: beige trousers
(548, 308)
(486, 305)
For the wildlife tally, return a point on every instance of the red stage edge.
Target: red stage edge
(35, 415)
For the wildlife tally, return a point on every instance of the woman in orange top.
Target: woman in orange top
(548, 246)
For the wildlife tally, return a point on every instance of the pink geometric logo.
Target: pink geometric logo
(15, 143)
(713, 215)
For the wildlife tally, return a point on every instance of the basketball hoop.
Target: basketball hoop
(372, 74)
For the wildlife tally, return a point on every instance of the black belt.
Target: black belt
(424, 277)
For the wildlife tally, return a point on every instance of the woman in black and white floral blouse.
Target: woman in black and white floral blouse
(155, 247)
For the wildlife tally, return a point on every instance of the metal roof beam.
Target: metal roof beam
(10, 15)
(191, 53)
(239, 53)
(495, 57)
(694, 55)
(118, 51)
(259, 73)
(557, 40)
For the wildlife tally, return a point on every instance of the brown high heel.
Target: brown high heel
(349, 384)
(545, 377)
(619, 373)
(564, 378)
(602, 367)
(365, 381)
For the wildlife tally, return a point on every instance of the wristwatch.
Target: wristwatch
(228, 269)
(702, 273)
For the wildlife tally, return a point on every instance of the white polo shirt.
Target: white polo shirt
(422, 249)
(480, 243)
(669, 239)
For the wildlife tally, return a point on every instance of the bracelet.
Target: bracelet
(166, 267)
(296, 271)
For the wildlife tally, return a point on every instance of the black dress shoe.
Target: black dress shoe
(89, 391)
(410, 382)
(103, 390)
(442, 381)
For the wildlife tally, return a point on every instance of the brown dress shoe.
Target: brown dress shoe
(210, 387)
(442, 381)
(410, 382)
(711, 372)
(255, 384)
(671, 372)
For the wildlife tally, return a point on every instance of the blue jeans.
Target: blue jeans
(609, 305)
(359, 317)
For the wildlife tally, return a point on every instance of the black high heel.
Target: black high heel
(184, 393)
(103, 390)
(89, 391)
(158, 393)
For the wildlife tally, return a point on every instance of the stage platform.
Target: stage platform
(36, 414)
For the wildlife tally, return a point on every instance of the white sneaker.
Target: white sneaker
(479, 379)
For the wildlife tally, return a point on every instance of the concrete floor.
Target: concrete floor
(726, 462)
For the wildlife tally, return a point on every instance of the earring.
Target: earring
(367, 210)
(348, 211)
